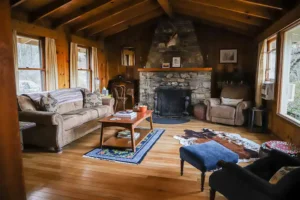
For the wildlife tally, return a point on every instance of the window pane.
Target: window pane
(29, 55)
(82, 58)
(30, 81)
(290, 91)
(83, 79)
(272, 64)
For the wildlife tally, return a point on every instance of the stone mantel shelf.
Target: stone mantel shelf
(206, 69)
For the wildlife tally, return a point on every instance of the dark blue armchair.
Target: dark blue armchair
(252, 182)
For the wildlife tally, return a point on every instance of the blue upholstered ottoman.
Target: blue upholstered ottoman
(205, 157)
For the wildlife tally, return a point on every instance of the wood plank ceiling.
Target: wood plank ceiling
(102, 18)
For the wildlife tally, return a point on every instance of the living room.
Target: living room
(144, 99)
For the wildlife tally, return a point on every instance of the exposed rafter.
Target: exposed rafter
(245, 28)
(166, 6)
(15, 3)
(79, 13)
(128, 14)
(48, 9)
(274, 4)
(238, 7)
(217, 12)
(102, 16)
(132, 22)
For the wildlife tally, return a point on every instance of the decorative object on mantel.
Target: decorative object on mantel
(165, 65)
(176, 62)
(228, 56)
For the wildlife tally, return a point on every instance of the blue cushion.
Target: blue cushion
(206, 155)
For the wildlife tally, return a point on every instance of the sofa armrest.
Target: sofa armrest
(210, 103)
(249, 178)
(109, 102)
(41, 117)
(244, 105)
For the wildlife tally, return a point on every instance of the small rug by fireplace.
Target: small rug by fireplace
(169, 120)
(246, 149)
(127, 156)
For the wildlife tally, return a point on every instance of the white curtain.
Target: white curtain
(15, 52)
(73, 65)
(261, 64)
(51, 65)
(95, 69)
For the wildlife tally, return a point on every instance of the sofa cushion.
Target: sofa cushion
(70, 106)
(92, 99)
(230, 102)
(78, 117)
(48, 103)
(25, 103)
(226, 112)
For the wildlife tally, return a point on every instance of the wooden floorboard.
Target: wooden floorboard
(68, 175)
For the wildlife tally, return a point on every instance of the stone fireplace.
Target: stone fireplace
(189, 84)
(197, 83)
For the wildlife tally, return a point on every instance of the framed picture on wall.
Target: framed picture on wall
(176, 62)
(228, 56)
(165, 65)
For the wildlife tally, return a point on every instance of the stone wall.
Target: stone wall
(198, 82)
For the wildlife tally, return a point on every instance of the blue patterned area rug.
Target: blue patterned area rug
(127, 156)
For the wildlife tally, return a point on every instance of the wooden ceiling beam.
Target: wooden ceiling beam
(225, 14)
(15, 3)
(250, 30)
(238, 7)
(102, 16)
(274, 4)
(48, 9)
(80, 12)
(132, 22)
(132, 12)
(166, 6)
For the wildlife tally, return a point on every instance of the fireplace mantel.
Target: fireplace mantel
(206, 69)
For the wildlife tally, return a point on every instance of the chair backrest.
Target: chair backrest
(119, 91)
(288, 186)
(236, 92)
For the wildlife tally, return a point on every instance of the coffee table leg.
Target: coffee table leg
(132, 139)
(151, 122)
(101, 136)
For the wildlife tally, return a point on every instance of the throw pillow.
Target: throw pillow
(281, 173)
(92, 99)
(49, 103)
(231, 102)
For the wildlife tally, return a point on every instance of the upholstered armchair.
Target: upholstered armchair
(252, 182)
(229, 114)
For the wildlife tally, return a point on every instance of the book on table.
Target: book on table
(127, 134)
(125, 114)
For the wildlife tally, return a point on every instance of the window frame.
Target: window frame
(280, 66)
(89, 69)
(42, 59)
(269, 51)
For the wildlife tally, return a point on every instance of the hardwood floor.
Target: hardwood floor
(68, 175)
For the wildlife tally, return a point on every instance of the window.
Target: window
(290, 76)
(270, 70)
(30, 65)
(84, 70)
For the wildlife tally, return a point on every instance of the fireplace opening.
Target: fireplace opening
(172, 101)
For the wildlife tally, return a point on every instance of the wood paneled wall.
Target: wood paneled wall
(63, 38)
(139, 37)
(211, 40)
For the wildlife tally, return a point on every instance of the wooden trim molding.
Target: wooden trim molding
(206, 69)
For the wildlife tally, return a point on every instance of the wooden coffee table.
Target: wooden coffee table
(130, 124)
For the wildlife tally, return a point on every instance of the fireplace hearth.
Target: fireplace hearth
(170, 101)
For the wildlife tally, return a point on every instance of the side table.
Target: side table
(264, 117)
(24, 126)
